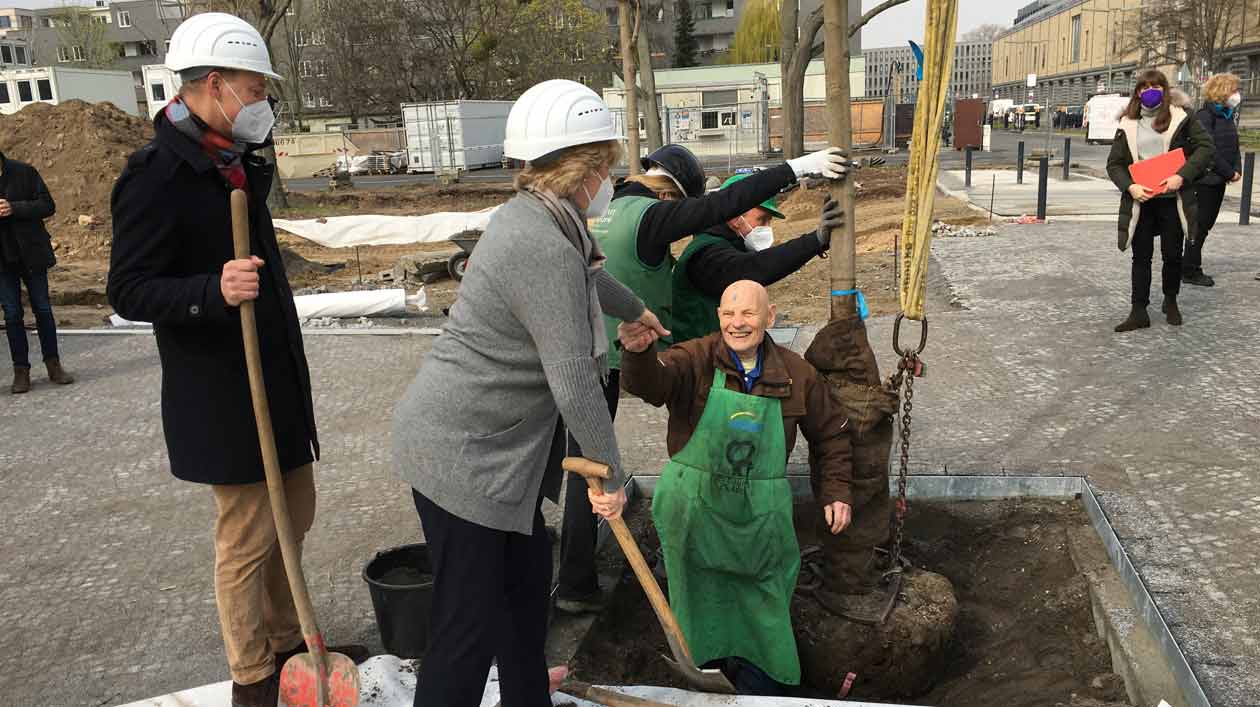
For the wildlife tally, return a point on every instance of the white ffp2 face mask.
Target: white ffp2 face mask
(597, 205)
(253, 124)
(1234, 100)
(758, 238)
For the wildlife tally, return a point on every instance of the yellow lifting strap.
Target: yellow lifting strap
(916, 229)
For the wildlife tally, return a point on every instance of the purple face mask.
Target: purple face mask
(1152, 97)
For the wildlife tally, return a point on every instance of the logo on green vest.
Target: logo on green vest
(745, 422)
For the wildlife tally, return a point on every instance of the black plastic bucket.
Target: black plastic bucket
(401, 582)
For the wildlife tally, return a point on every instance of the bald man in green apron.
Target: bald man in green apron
(723, 506)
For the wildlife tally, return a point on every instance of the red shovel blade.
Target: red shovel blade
(300, 678)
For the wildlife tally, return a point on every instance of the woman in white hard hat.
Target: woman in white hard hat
(478, 434)
(172, 264)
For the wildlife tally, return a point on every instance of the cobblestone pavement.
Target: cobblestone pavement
(105, 568)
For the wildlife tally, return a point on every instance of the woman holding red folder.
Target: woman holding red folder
(1154, 123)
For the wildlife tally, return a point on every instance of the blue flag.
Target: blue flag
(918, 57)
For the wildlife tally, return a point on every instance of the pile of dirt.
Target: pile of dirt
(411, 200)
(79, 149)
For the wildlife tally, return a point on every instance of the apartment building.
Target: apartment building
(716, 22)
(892, 70)
(1081, 47)
(16, 26)
(135, 33)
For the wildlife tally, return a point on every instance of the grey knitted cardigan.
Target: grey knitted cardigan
(474, 430)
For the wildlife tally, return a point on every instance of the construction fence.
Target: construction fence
(301, 155)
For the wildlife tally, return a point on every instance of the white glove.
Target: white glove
(830, 163)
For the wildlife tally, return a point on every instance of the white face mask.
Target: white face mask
(597, 205)
(254, 122)
(1234, 100)
(758, 238)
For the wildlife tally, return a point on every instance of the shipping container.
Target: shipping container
(445, 135)
(54, 84)
(160, 86)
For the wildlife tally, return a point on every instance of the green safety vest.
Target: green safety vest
(695, 313)
(723, 509)
(617, 233)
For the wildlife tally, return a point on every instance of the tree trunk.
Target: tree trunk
(651, 111)
(840, 122)
(794, 108)
(278, 198)
(631, 88)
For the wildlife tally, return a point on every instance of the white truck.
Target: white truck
(1101, 117)
(998, 107)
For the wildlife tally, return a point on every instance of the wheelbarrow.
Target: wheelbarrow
(458, 263)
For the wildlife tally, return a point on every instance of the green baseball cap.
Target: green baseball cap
(771, 204)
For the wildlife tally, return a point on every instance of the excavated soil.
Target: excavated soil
(1024, 636)
(79, 149)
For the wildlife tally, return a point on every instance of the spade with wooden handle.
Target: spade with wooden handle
(683, 664)
(316, 678)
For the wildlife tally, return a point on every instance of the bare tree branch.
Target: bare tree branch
(871, 13)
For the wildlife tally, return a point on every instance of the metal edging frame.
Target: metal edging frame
(1191, 690)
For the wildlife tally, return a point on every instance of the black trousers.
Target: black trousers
(1158, 218)
(578, 578)
(1210, 198)
(491, 595)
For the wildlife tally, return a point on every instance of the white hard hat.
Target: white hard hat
(219, 40)
(554, 115)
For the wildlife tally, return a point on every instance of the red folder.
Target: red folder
(1149, 173)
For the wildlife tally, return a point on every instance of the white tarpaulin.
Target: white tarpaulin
(350, 231)
(339, 305)
(386, 681)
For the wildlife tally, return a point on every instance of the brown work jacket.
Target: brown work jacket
(680, 378)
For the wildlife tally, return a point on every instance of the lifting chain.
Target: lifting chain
(909, 367)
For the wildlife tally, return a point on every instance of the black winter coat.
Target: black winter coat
(172, 235)
(26, 192)
(1228, 160)
(1183, 132)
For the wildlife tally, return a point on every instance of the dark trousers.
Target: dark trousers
(491, 594)
(578, 578)
(1210, 198)
(1158, 218)
(41, 305)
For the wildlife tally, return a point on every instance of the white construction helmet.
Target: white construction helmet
(219, 40)
(554, 115)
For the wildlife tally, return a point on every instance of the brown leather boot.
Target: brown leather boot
(264, 693)
(1171, 312)
(21, 380)
(1137, 319)
(56, 373)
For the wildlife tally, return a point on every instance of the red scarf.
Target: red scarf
(224, 152)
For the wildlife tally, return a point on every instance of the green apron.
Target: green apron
(723, 509)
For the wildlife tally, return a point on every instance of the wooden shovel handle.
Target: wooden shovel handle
(595, 473)
(271, 460)
(608, 698)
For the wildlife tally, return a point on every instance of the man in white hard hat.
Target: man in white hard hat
(172, 264)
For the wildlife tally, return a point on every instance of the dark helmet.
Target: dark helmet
(681, 164)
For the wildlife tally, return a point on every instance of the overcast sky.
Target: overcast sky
(905, 22)
(892, 27)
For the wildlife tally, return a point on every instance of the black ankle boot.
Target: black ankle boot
(1137, 319)
(1171, 312)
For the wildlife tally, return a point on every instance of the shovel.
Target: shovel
(317, 678)
(705, 680)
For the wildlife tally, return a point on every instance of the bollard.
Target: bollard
(1249, 173)
(1019, 164)
(1067, 158)
(1043, 178)
(968, 150)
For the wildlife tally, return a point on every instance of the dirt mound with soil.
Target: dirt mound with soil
(79, 149)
